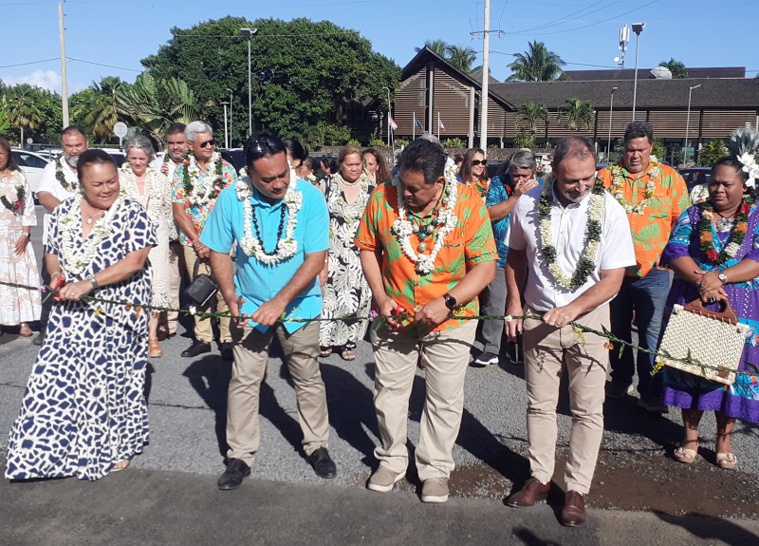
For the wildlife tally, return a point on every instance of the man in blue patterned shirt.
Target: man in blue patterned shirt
(503, 194)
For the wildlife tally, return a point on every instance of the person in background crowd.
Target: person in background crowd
(653, 195)
(505, 190)
(474, 171)
(18, 265)
(84, 412)
(458, 159)
(425, 231)
(151, 189)
(57, 183)
(175, 155)
(569, 244)
(196, 186)
(310, 172)
(346, 292)
(281, 227)
(296, 154)
(707, 268)
(375, 166)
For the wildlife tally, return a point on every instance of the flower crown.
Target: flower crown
(743, 144)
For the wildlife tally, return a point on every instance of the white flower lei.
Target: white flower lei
(287, 246)
(128, 181)
(200, 193)
(588, 257)
(402, 228)
(618, 179)
(76, 260)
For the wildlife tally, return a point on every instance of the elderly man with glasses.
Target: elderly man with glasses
(197, 184)
(281, 227)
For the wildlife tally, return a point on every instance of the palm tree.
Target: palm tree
(538, 64)
(461, 57)
(676, 67)
(23, 112)
(576, 112)
(438, 46)
(528, 115)
(102, 111)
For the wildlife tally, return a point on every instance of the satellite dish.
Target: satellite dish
(660, 73)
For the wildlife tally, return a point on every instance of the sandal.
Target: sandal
(119, 466)
(24, 330)
(154, 348)
(727, 461)
(324, 352)
(347, 354)
(685, 455)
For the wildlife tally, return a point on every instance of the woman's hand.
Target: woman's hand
(20, 246)
(709, 282)
(74, 291)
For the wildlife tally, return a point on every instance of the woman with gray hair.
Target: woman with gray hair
(515, 179)
(151, 189)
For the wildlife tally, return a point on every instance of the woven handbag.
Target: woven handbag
(714, 339)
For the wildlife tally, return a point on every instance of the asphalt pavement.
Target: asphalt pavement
(169, 496)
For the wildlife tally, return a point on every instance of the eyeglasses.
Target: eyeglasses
(476, 162)
(207, 143)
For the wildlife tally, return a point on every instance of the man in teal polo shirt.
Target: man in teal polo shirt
(281, 229)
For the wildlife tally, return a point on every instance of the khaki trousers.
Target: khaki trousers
(444, 357)
(546, 351)
(203, 327)
(176, 256)
(251, 354)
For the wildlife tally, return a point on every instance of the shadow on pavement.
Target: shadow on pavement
(711, 528)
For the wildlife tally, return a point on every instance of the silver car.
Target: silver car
(32, 164)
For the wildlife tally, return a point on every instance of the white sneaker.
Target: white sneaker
(384, 479)
(435, 490)
(486, 359)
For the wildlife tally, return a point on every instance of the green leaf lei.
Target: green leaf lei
(217, 184)
(16, 205)
(586, 264)
(71, 188)
(737, 234)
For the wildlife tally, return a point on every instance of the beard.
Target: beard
(72, 160)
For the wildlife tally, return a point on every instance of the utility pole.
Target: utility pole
(64, 77)
(485, 76)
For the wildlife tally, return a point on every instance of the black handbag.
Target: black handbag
(202, 288)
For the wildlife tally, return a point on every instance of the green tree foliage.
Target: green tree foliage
(523, 139)
(528, 115)
(462, 57)
(676, 67)
(23, 110)
(453, 143)
(31, 112)
(537, 64)
(438, 46)
(98, 110)
(576, 113)
(658, 149)
(711, 151)
(303, 73)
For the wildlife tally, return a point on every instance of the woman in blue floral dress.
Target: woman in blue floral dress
(714, 251)
(84, 412)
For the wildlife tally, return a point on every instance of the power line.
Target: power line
(31, 62)
(565, 62)
(73, 59)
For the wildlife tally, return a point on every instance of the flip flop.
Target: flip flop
(685, 455)
(348, 354)
(727, 461)
(324, 352)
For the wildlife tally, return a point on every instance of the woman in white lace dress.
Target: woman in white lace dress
(18, 306)
(152, 189)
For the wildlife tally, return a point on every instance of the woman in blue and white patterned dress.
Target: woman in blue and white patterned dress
(84, 412)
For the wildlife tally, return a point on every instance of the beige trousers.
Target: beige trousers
(251, 354)
(546, 351)
(444, 357)
(176, 256)
(203, 327)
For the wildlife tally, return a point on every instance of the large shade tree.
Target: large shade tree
(537, 64)
(303, 72)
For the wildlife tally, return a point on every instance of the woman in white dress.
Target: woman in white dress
(18, 306)
(152, 189)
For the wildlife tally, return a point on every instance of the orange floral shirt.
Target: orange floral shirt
(470, 243)
(651, 229)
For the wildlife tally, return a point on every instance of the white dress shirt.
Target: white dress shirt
(568, 225)
(49, 183)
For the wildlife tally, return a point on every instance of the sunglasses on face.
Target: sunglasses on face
(477, 162)
(207, 143)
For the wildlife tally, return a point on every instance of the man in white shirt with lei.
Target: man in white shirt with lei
(58, 182)
(571, 239)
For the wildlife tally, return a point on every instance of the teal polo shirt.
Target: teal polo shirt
(257, 282)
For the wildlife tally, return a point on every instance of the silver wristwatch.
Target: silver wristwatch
(722, 277)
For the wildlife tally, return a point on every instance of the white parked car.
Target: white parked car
(32, 164)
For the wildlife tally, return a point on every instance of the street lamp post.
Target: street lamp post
(226, 127)
(687, 124)
(230, 117)
(637, 29)
(389, 115)
(611, 111)
(249, 33)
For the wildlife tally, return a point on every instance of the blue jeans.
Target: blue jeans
(646, 297)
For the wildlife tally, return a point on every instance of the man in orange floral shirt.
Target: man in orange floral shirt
(653, 195)
(427, 250)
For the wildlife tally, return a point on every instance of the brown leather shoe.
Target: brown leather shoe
(573, 514)
(531, 492)
(154, 348)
